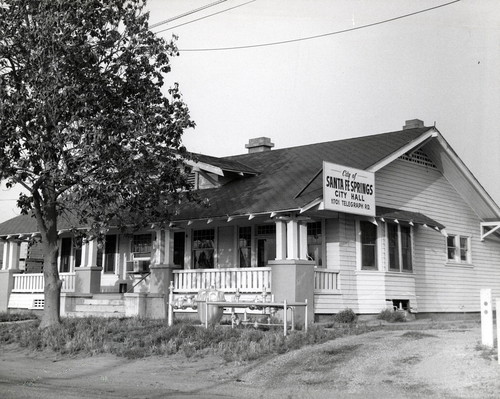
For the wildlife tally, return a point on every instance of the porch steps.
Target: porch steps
(101, 305)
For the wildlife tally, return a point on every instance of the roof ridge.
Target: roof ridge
(418, 130)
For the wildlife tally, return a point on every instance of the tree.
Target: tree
(84, 125)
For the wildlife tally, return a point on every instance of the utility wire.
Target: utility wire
(315, 36)
(186, 14)
(206, 16)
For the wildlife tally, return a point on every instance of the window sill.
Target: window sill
(459, 265)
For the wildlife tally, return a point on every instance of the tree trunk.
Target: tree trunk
(52, 289)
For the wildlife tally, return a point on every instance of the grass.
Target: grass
(8, 317)
(138, 338)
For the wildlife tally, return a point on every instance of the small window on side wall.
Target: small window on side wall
(458, 249)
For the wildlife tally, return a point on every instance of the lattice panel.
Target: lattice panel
(420, 158)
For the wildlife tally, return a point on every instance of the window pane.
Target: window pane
(392, 236)
(203, 249)
(406, 248)
(464, 249)
(315, 243)
(65, 254)
(450, 240)
(368, 245)
(179, 241)
(245, 246)
(110, 253)
(141, 245)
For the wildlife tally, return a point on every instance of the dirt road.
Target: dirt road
(381, 364)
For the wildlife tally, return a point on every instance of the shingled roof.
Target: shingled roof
(277, 180)
(284, 173)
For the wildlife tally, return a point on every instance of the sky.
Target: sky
(441, 66)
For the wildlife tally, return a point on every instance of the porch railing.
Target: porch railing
(246, 280)
(34, 282)
(325, 281)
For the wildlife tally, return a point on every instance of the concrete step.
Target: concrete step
(98, 302)
(96, 314)
(110, 295)
(100, 308)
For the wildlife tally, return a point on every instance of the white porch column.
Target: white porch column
(303, 240)
(158, 248)
(281, 244)
(13, 258)
(91, 253)
(292, 235)
(169, 247)
(164, 248)
(5, 255)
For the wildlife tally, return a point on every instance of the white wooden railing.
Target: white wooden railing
(325, 281)
(248, 279)
(34, 282)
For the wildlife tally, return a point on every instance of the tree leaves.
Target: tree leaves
(83, 111)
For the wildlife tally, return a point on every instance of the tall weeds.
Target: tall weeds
(137, 338)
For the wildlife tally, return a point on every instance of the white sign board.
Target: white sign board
(348, 190)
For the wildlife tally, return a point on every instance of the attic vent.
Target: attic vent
(419, 157)
(192, 179)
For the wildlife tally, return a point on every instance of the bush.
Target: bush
(392, 316)
(346, 316)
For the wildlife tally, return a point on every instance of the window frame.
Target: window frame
(211, 259)
(245, 244)
(458, 249)
(359, 247)
(313, 225)
(399, 249)
(107, 259)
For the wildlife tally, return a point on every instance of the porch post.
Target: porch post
(13, 257)
(6, 286)
(293, 281)
(280, 239)
(5, 260)
(161, 275)
(303, 240)
(88, 277)
(91, 253)
(292, 235)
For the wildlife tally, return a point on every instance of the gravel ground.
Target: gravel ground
(434, 363)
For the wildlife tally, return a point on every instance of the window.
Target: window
(245, 246)
(399, 247)
(179, 242)
(315, 243)
(368, 240)
(393, 246)
(65, 254)
(106, 259)
(141, 246)
(458, 248)
(203, 249)
(266, 244)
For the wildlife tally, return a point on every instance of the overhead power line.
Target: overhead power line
(315, 36)
(186, 14)
(206, 16)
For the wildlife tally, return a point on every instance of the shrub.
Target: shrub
(392, 316)
(346, 316)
